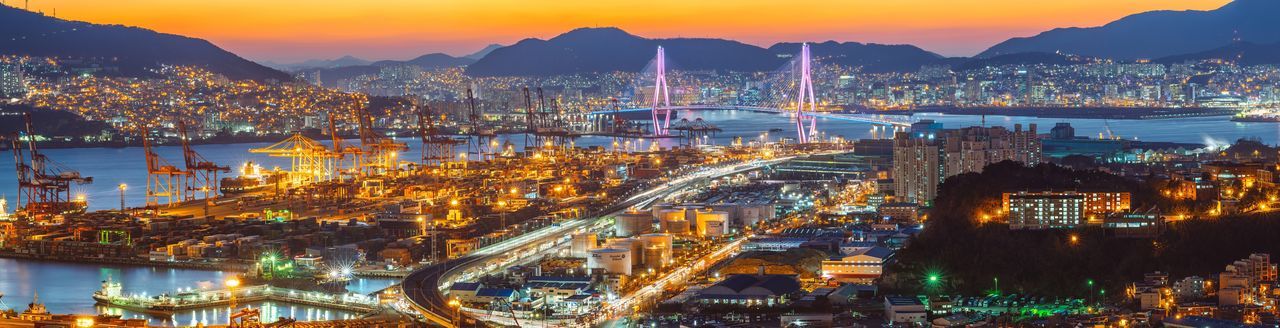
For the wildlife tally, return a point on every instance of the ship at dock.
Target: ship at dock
(251, 179)
(112, 294)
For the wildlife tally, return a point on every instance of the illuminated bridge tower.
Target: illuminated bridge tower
(660, 92)
(804, 132)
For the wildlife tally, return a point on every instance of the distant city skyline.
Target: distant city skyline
(294, 31)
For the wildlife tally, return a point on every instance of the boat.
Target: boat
(110, 289)
(1256, 118)
(250, 180)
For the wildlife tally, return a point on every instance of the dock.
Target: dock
(168, 305)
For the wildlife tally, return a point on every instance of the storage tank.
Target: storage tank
(671, 214)
(582, 245)
(632, 223)
(658, 249)
(712, 223)
(636, 247)
(611, 260)
(679, 227)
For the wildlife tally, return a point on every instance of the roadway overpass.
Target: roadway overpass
(425, 287)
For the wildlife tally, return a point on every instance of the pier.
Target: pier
(166, 304)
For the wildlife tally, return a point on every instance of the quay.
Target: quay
(168, 304)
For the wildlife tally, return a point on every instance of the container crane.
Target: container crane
(44, 186)
(202, 174)
(164, 180)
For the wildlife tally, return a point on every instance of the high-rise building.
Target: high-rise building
(917, 167)
(12, 83)
(927, 154)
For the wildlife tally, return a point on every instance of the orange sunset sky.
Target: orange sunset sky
(295, 30)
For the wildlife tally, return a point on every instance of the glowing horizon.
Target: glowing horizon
(295, 30)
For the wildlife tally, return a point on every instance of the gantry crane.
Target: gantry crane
(436, 148)
(310, 161)
(164, 180)
(381, 154)
(44, 186)
(202, 174)
(481, 137)
(345, 153)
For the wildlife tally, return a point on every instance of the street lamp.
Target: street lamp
(232, 283)
(457, 308)
(122, 187)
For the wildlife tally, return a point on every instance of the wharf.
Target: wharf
(167, 305)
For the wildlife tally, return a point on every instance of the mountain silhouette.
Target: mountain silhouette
(1241, 53)
(331, 75)
(588, 50)
(130, 49)
(1157, 34)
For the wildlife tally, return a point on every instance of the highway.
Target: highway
(424, 287)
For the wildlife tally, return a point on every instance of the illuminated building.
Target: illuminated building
(751, 290)
(12, 83)
(928, 154)
(1044, 210)
(862, 267)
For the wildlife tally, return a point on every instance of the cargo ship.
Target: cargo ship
(249, 180)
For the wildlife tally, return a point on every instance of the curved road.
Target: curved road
(424, 286)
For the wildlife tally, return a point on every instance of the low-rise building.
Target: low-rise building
(751, 290)
(863, 267)
(904, 310)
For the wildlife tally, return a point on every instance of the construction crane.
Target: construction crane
(44, 186)
(202, 174)
(164, 180)
(436, 148)
(381, 154)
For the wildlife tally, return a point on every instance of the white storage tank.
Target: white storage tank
(582, 244)
(632, 223)
(636, 247)
(611, 260)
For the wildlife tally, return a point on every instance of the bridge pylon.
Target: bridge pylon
(661, 96)
(805, 133)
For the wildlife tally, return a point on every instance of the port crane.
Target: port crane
(202, 174)
(44, 186)
(381, 153)
(165, 181)
(437, 149)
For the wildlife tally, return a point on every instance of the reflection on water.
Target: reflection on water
(270, 312)
(113, 166)
(66, 288)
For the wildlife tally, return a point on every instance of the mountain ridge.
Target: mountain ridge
(608, 49)
(133, 49)
(1155, 34)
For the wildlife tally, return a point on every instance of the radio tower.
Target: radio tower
(660, 92)
(806, 89)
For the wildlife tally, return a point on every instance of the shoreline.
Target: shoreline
(1094, 113)
(221, 267)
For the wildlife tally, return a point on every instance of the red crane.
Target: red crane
(164, 180)
(44, 185)
(202, 174)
